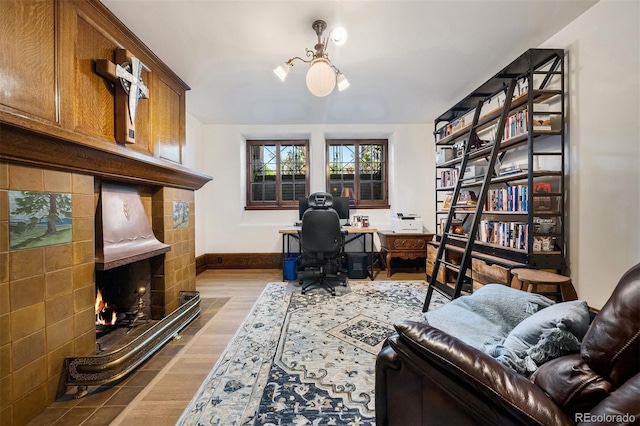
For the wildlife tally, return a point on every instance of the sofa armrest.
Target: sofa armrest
(493, 392)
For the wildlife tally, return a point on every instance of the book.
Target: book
(508, 170)
(541, 203)
(544, 225)
(446, 204)
(543, 243)
(467, 198)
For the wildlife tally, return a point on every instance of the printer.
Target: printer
(406, 223)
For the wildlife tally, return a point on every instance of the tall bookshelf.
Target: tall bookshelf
(500, 173)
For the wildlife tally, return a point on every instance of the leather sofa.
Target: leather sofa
(425, 376)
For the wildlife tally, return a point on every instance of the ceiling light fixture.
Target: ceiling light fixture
(322, 75)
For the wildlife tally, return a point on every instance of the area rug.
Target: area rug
(306, 359)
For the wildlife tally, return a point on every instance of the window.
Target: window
(360, 165)
(277, 173)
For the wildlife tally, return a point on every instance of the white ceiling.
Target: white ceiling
(407, 61)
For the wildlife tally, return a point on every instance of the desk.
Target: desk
(353, 233)
(405, 245)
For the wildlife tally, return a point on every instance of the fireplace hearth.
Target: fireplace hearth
(115, 363)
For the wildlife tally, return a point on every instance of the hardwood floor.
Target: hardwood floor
(161, 389)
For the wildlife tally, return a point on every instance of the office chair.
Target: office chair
(321, 242)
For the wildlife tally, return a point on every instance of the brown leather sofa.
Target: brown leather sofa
(425, 376)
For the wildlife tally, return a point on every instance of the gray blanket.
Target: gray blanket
(486, 317)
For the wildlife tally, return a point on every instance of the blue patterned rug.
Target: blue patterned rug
(306, 359)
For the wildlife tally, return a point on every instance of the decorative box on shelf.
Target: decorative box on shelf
(443, 155)
(474, 171)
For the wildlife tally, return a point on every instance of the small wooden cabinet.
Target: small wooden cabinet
(409, 245)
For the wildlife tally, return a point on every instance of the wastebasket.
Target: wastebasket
(291, 268)
(357, 265)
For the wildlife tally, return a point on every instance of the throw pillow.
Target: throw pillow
(549, 333)
(557, 321)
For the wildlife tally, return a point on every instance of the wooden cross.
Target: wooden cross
(126, 70)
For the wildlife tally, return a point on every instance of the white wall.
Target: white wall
(226, 227)
(190, 154)
(604, 159)
(604, 145)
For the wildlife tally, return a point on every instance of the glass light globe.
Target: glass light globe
(339, 36)
(282, 71)
(321, 78)
(343, 83)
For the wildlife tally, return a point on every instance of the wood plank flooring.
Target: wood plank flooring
(161, 389)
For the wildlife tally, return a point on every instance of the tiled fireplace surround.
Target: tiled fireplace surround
(47, 294)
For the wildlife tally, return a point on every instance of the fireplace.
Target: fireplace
(53, 143)
(133, 310)
(126, 252)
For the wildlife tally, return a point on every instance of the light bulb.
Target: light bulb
(343, 83)
(339, 36)
(282, 71)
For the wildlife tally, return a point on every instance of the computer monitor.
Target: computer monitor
(303, 205)
(341, 206)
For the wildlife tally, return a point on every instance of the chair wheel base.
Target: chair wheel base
(321, 283)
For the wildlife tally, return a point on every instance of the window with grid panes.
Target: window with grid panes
(360, 165)
(277, 173)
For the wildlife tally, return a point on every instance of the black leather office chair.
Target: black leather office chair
(322, 243)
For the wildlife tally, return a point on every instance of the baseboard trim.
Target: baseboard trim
(238, 261)
(246, 261)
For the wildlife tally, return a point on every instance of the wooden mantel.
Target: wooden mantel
(23, 146)
(58, 112)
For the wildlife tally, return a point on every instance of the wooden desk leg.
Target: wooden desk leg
(388, 262)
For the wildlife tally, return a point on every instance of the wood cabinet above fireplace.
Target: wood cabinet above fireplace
(56, 111)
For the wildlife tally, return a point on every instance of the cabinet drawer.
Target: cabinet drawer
(432, 253)
(408, 243)
(482, 273)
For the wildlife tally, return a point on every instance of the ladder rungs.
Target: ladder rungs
(448, 291)
(463, 281)
(463, 206)
(458, 236)
(451, 265)
(472, 177)
(444, 290)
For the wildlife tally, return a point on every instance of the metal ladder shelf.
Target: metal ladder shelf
(461, 281)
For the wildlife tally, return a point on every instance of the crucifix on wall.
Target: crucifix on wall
(127, 70)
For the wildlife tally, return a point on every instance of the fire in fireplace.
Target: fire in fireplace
(105, 314)
(122, 299)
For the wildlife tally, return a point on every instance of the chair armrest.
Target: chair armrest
(494, 387)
